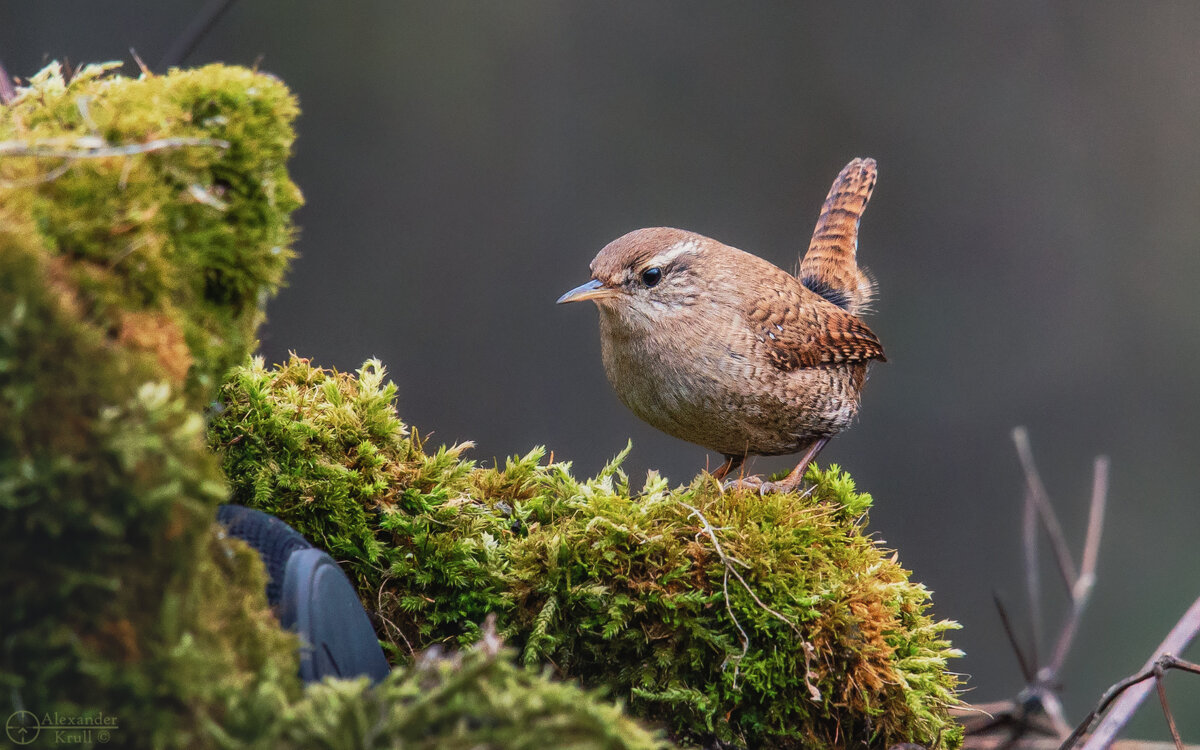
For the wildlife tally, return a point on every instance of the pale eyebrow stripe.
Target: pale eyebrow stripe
(687, 247)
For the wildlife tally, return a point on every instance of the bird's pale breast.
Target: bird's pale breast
(715, 385)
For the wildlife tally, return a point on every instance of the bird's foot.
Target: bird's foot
(783, 486)
(790, 483)
(760, 485)
(744, 483)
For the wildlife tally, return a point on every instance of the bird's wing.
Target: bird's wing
(800, 329)
(830, 267)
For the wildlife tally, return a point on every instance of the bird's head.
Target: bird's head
(648, 274)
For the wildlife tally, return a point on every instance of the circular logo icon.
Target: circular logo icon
(22, 727)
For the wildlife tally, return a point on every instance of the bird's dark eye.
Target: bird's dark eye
(651, 276)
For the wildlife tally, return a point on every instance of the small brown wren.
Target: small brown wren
(726, 350)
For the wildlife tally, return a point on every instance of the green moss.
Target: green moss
(758, 620)
(115, 324)
(477, 699)
(174, 251)
(128, 286)
(327, 453)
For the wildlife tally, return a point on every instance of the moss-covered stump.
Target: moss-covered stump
(761, 621)
(130, 277)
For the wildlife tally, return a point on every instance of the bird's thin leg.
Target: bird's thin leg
(793, 480)
(731, 464)
(724, 473)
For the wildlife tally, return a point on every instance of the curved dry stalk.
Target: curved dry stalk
(1127, 695)
(1081, 591)
(1038, 708)
(8, 92)
(1041, 501)
(201, 24)
(93, 147)
(725, 559)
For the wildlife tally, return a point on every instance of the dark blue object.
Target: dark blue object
(311, 596)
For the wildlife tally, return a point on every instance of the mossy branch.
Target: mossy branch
(821, 640)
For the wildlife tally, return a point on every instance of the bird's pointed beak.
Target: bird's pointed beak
(591, 290)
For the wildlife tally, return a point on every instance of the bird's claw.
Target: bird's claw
(761, 486)
(749, 483)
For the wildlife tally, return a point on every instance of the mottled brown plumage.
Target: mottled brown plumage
(723, 349)
(830, 266)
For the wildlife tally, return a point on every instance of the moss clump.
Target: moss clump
(174, 251)
(128, 284)
(477, 699)
(122, 300)
(761, 621)
(757, 619)
(327, 453)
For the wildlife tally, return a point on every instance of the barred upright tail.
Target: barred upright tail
(829, 268)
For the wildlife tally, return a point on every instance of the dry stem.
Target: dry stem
(726, 560)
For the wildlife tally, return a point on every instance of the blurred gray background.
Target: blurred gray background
(1034, 236)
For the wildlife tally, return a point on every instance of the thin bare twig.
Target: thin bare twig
(387, 623)
(1133, 683)
(1162, 700)
(50, 176)
(1033, 578)
(8, 92)
(725, 559)
(1126, 696)
(91, 147)
(708, 529)
(1091, 549)
(196, 30)
(88, 147)
(1037, 708)
(1081, 592)
(1041, 500)
(140, 62)
(1028, 669)
(745, 638)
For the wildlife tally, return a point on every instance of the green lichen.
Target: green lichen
(757, 620)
